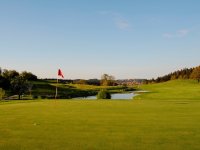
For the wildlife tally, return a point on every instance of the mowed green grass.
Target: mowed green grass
(168, 117)
(100, 125)
(171, 90)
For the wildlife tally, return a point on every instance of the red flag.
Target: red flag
(60, 73)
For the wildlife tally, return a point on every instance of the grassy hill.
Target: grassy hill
(171, 90)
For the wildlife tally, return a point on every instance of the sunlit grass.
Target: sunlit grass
(103, 124)
(175, 89)
(165, 118)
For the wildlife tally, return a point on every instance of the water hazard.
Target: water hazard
(113, 96)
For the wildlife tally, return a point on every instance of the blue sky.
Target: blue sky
(86, 38)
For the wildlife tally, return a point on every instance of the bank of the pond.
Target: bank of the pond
(128, 95)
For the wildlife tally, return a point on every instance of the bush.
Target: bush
(2, 93)
(43, 96)
(103, 94)
(35, 97)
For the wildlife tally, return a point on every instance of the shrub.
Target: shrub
(2, 93)
(35, 97)
(103, 94)
(43, 96)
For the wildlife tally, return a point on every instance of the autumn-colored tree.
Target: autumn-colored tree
(196, 74)
(107, 80)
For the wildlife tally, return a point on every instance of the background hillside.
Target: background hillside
(171, 90)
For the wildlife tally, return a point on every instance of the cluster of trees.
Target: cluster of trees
(187, 73)
(196, 74)
(88, 82)
(106, 80)
(15, 82)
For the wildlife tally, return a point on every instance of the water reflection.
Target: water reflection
(113, 96)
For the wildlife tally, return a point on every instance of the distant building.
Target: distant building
(129, 82)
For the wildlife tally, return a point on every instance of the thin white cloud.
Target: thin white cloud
(167, 35)
(119, 21)
(178, 34)
(183, 32)
(122, 24)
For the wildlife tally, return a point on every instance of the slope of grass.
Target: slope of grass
(47, 89)
(100, 125)
(94, 87)
(175, 89)
(111, 89)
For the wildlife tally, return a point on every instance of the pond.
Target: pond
(113, 96)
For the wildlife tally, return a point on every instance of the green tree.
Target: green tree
(81, 81)
(103, 94)
(93, 82)
(10, 74)
(4, 83)
(28, 76)
(196, 74)
(107, 80)
(19, 86)
(2, 93)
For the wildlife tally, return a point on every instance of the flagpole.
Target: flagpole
(56, 88)
(59, 74)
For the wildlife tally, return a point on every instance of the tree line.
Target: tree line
(186, 73)
(106, 80)
(15, 82)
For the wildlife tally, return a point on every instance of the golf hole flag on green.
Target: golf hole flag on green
(60, 73)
